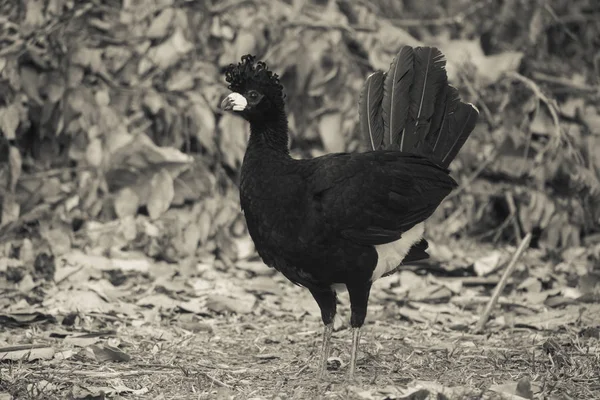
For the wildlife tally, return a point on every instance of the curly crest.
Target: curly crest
(251, 73)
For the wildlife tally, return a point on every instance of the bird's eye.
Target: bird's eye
(253, 95)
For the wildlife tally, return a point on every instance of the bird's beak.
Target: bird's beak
(234, 102)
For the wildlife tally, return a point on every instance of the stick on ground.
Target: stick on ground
(500, 286)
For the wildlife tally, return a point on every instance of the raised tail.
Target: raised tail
(412, 107)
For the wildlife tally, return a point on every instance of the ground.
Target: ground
(268, 349)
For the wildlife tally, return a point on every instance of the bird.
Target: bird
(341, 221)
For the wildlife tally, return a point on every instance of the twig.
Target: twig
(479, 300)
(578, 18)
(555, 17)
(513, 212)
(549, 104)
(106, 374)
(458, 18)
(540, 76)
(500, 287)
(301, 370)
(67, 276)
(52, 172)
(223, 7)
(218, 382)
(329, 26)
(478, 100)
(465, 183)
(497, 230)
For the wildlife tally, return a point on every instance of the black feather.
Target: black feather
(429, 81)
(369, 110)
(451, 125)
(396, 97)
(462, 123)
(439, 135)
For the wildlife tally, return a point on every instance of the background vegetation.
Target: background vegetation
(113, 145)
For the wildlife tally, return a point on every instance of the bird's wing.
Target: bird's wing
(372, 198)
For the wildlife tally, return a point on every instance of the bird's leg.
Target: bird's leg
(354, 352)
(325, 350)
(359, 299)
(326, 299)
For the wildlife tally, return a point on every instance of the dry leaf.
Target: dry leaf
(15, 163)
(161, 194)
(203, 120)
(489, 68)
(126, 203)
(180, 80)
(9, 121)
(160, 301)
(245, 43)
(160, 25)
(330, 130)
(223, 304)
(10, 208)
(66, 301)
(485, 265)
(26, 353)
(233, 139)
(34, 14)
(109, 353)
(166, 54)
(93, 153)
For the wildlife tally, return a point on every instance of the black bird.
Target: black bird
(343, 220)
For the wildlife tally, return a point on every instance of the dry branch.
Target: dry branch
(500, 287)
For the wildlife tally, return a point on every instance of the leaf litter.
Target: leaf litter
(132, 275)
(240, 328)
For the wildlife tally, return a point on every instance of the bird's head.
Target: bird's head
(257, 93)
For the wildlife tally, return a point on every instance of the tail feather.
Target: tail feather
(420, 113)
(462, 123)
(369, 110)
(396, 95)
(430, 79)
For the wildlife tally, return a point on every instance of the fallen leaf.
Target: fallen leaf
(40, 388)
(223, 304)
(109, 353)
(26, 353)
(161, 194)
(82, 340)
(24, 318)
(196, 305)
(531, 285)
(159, 300)
(487, 264)
(67, 301)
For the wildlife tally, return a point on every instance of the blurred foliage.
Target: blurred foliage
(112, 137)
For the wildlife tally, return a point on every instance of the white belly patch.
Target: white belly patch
(390, 255)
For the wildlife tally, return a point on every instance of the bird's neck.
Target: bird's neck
(270, 134)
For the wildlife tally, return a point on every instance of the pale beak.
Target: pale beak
(234, 102)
